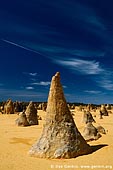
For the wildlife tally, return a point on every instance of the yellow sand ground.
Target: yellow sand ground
(15, 143)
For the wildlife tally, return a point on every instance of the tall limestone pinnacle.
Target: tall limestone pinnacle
(60, 137)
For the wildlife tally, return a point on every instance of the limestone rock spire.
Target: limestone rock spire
(60, 137)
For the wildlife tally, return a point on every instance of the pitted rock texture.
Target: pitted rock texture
(31, 114)
(60, 137)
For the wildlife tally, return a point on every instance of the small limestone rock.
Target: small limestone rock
(108, 107)
(22, 120)
(100, 129)
(9, 107)
(87, 117)
(90, 132)
(104, 110)
(31, 114)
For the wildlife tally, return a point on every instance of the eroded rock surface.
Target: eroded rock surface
(60, 137)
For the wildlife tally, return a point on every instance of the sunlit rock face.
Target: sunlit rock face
(103, 110)
(9, 107)
(22, 120)
(31, 114)
(90, 132)
(60, 137)
(87, 117)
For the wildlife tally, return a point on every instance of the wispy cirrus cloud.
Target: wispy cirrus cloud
(73, 10)
(64, 86)
(92, 91)
(81, 66)
(103, 77)
(41, 83)
(54, 50)
(29, 88)
(87, 53)
(106, 82)
(30, 73)
(45, 83)
(33, 74)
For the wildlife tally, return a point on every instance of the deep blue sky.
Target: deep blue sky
(40, 37)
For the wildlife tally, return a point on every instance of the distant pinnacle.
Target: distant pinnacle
(31, 114)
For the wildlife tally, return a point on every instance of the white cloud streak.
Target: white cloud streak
(29, 88)
(81, 66)
(64, 86)
(33, 74)
(92, 92)
(106, 83)
(42, 83)
(86, 67)
(87, 53)
(20, 46)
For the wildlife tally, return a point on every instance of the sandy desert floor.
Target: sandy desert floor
(15, 143)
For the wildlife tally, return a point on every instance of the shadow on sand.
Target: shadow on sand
(21, 140)
(93, 149)
(97, 147)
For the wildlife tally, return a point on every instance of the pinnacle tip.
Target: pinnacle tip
(57, 74)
